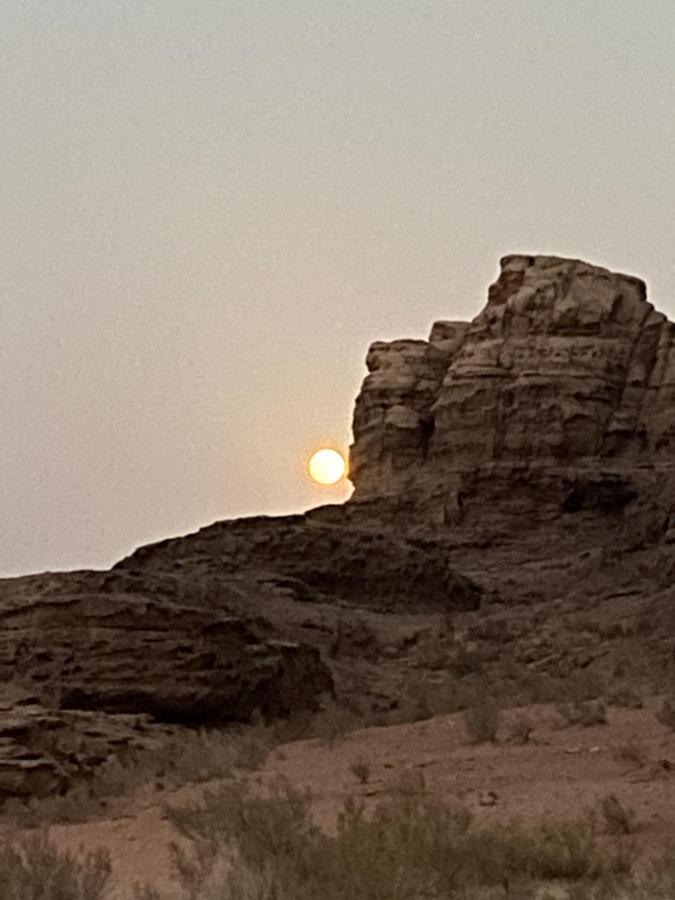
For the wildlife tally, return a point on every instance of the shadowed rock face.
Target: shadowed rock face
(567, 363)
(97, 641)
(526, 457)
(93, 664)
(255, 615)
(316, 561)
(126, 653)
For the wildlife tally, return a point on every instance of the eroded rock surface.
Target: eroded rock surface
(138, 652)
(567, 363)
(513, 523)
(43, 751)
(316, 561)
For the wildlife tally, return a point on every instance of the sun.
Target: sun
(327, 466)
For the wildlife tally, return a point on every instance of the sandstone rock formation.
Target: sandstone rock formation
(315, 561)
(513, 520)
(129, 652)
(43, 751)
(567, 363)
(558, 398)
(242, 617)
(91, 666)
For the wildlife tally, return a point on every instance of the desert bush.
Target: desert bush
(335, 723)
(466, 661)
(361, 771)
(617, 818)
(666, 713)
(31, 868)
(408, 848)
(586, 713)
(146, 892)
(418, 706)
(519, 730)
(482, 720)
(627, 697)
(187, 756)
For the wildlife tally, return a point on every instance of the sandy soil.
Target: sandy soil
(562, 773)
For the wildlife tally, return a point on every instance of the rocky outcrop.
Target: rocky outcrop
(315, 562)
(517, 464)
(243, 617)
(43, 751)
(566, 363)
(132, 653)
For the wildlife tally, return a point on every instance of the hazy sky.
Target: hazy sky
(210, 208)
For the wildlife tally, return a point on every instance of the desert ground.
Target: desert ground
(561, 773)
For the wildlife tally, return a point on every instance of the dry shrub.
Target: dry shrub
(361, 771)
(466, 661)
(409, 847)
(586, 713)
(31, 868)
(617, 818)
(627, 697)
(335, 723)
(631, 754)
(666, 713)
(188, 756)
(482, 720)
(520, 730)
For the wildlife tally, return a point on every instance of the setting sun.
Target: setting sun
(327, 466)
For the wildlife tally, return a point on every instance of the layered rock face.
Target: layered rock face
(244, 617)
(508, 472)
(93, 664)
(96, 641)
(567, 364)
(314, 561)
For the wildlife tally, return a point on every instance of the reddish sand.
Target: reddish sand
(561, 774)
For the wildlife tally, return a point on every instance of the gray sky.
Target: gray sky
(211, 207)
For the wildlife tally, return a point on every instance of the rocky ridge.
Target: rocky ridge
(512, 524)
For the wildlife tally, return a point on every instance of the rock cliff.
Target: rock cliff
(513, 522)
(567, 373)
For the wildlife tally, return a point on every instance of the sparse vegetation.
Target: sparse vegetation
(666, 713)
(408, 847)
(482, 720)
(631, 754)
(361, 771)
(617, 819)
(466, 661)
(31, 868)
(334, 724)
(190, 756)
(627, 697)
(520, 730)
(586, 713)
